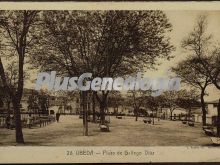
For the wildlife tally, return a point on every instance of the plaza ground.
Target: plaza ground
(123, 132)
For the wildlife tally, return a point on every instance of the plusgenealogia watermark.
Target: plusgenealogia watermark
(85, 83)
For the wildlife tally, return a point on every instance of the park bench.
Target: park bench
(104, 127)
(209, 130)
(191, 123)
(184, 121)
(215, 140)
(119, 117)
(147, 120)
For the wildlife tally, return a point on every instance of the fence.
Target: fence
(36, 119)
(196, 118)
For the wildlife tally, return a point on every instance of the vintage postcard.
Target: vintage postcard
(109, 82)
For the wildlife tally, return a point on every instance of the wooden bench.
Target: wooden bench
(147, 120)
(209, 130)
(184, 121)
(104, 127)
(119, 117)
(191, 123)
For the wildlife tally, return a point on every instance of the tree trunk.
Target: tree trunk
(136, 114)
(102, 104)
(85, 114)
(203, 108)
(116, 112)
(8, 107)
(189, 112)
(157, 115)
(153, 119)
(136, 117)
(218, 120)
(88, 106)
(102, 112)
(188, 115)
(171, 114)
(93, 108)
(17, 119)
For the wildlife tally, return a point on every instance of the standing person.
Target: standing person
(7, 120)
(11, 122)
(29, 121)
(57, 117)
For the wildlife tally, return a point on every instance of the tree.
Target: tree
(154, 103)
(213, 68)
(188, 71)
(43, 102)
(210, 60)
(105, 43)
(170, 100)
(16, 29)
(11, 76)
(33, 102)
(197, 44)
(93, 108)
(38, 102)
(206, 53)
(188, 99)
(137, 100)
(116, 100)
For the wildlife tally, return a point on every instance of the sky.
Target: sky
(182, 23)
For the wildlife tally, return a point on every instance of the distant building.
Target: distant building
(61, 104)
(165, 112)
(64, 104)
(212, 109)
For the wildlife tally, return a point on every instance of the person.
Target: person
(7, 120)
(57, 117)
(174, 117)
(11, 122)
(29, 121)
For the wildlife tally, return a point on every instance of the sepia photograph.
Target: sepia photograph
(110, 78)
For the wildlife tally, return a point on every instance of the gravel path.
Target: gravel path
(123, 132)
